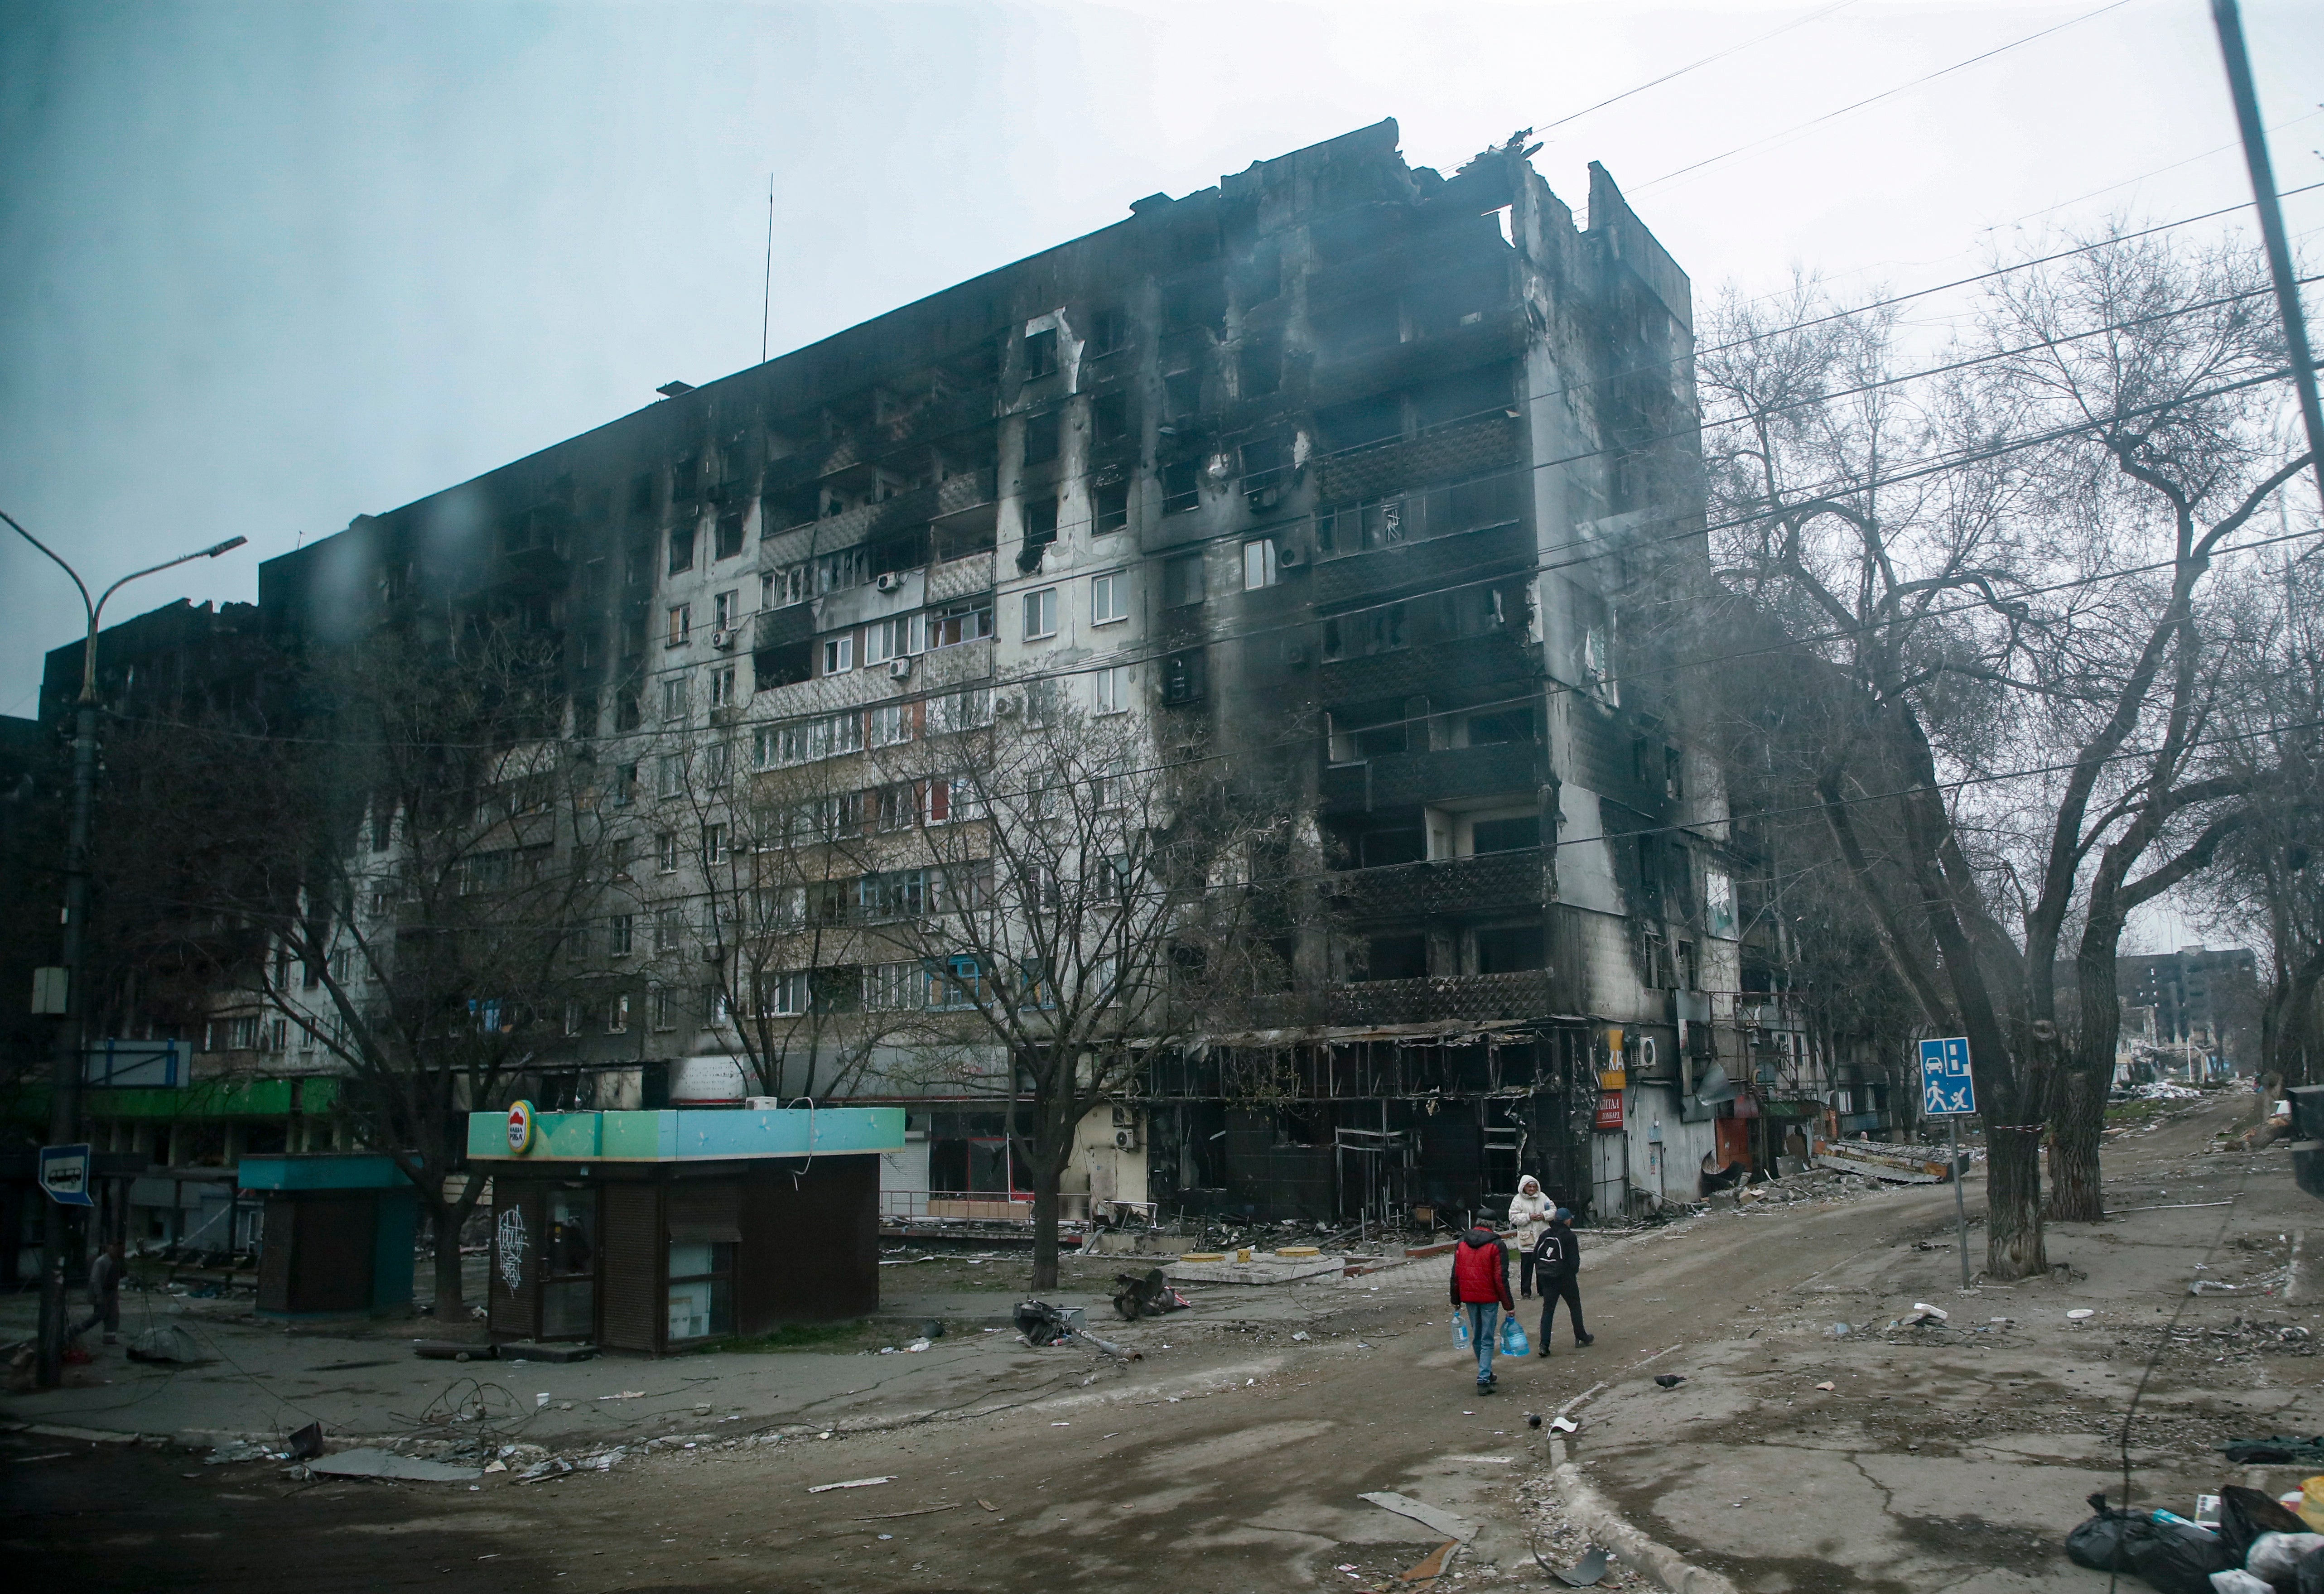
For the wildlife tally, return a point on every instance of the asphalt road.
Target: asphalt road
(1247, 1480)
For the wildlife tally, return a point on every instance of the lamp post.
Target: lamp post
(64, 1098)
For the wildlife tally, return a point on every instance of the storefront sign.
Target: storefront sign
(519, 1128)
(1610, 1110)
(1613, 1079)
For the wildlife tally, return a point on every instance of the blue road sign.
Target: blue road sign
(1946, 1086)
(64, 1174)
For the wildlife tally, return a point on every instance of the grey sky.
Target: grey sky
(268, 266)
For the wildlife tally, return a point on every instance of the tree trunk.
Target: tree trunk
(1045, 1227)
(2076, 1195)
(2013, 1203)
(444, 1221)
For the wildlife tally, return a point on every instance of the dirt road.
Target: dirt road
(1188, 1471)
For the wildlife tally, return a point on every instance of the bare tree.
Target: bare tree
(769, 828)
(405, 880)
(1066, 891)
(2003, 562)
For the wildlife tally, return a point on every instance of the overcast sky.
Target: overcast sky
(265, 267)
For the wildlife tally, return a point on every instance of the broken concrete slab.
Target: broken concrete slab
(383, 1463)
(1427, 1515)
(1256, 1271)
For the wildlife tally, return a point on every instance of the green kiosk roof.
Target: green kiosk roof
(520, 1135)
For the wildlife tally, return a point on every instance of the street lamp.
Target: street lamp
(64, 1098)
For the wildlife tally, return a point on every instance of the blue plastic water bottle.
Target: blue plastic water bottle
(1460, 1329)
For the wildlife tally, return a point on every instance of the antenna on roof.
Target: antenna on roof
(767, 287)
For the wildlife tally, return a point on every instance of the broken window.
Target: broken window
(1376, 419)
(1509, 949)
(685, 477)
(641, 494)
(1184, 582)
(722, 686)
(730, 533)
(1040, 352)
(1181, 486)
(1365, 732)
(1515, 833)
(681, 548)
(1182, 394)
(1183, 677)
(1044, 437)
(724, 609)
(968, 620)
(681, 624)
(1500, 726)
(1109, 418)
(1392, 957)
(1040, 531)
(1482, 395)
(1109, 330)
(1109, 508)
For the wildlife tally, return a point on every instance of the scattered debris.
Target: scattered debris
(168, 1343)
(306, 1443)
(1564, 1425)
(1670, 1380)
(849, 1483)
(1827, 1384)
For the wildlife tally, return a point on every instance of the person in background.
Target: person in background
(1480, 1288)
(1557, 1258)
(104, 1292)
(1528, 1215)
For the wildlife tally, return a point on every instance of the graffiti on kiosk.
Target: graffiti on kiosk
(509, 1242)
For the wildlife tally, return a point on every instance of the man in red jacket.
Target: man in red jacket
(1480, 1288)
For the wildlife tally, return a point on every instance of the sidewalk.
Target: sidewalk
(360, 1379)
(1957, 1455)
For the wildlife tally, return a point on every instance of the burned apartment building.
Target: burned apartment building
(1377, 475)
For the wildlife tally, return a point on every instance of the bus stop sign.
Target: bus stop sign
(64, 1174)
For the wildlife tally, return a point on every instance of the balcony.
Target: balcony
(1468, 449)
(1396, 778)
(1427, 564)
(1494, 883)
(1465, 997)
(1498, 655)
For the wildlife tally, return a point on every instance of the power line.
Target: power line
(1884, 94)
(1715, 55)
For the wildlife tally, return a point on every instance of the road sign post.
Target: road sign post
(1948, 1091)
(64, 1174)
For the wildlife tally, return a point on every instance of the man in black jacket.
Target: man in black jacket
(1557, 1265)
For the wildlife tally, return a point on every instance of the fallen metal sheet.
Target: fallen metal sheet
(1585, 1573)
(1887, 1173)
(386, 1463)
(1254, 1271)
(1444, 1522)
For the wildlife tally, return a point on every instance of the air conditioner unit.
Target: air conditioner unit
(1006, 707)
(888, 580)
(710, 954)
(1288, 556)
(1125, 1139)
(898, 668)
(724, 640)
(762, 1103)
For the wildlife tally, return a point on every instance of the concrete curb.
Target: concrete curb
(1597, 1516)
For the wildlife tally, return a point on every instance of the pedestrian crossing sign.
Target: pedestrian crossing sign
(1946, 1086)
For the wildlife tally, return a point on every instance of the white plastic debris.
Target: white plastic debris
(850, 1483)
(2080, 1315)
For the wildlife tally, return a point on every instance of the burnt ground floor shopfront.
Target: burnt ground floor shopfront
(1337, 1125)
(650, 1231)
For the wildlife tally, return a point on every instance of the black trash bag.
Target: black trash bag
(2309, 1578)
(2245, 1514)
(2173, 1557)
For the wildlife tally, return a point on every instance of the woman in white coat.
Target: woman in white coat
(1529, 1213)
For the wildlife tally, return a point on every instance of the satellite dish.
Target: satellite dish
(1716, 1087)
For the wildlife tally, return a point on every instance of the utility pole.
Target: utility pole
(72, 1040)
(2228, 19)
